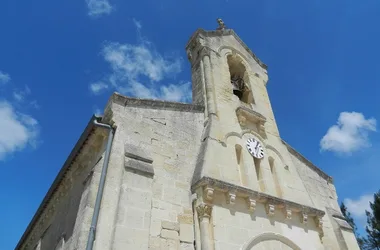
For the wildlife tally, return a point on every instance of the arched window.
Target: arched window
(240, 162)
(275, 178)
(239, 79)
(259, 174)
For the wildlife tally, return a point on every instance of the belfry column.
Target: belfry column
(204, 215)
(208, 80)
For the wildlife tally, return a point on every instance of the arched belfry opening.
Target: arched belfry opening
(239, 79)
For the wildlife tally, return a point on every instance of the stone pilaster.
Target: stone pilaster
(208, 79)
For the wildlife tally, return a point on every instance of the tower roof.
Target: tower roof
(223, 31)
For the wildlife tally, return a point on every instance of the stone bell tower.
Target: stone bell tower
(230, 81)
(251, 190)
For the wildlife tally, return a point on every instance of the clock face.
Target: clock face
(255, 148)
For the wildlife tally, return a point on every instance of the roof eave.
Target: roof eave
(74, 152)
(225, 32)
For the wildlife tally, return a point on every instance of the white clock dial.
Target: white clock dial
(254, 147)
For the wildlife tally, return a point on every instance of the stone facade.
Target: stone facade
(180, 177)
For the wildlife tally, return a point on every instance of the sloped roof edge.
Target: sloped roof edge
(74, 152)
(308, 163)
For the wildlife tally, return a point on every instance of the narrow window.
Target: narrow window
(240, 163)
(259, 175)
(275, 178)
(239, 79)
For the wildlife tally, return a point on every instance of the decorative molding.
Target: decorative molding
(319, 221)
(270, 208)
(204, 210)
(231, 197)
(304, 218)
(251, 204)
(249, 194)
(240, 135)
(266, 236)
(274, 150)
(288, 213)
(247, 116)
(209, 193)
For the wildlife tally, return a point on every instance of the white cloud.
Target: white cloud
(4, 78)
(17, 130)
(349, 134)
(358, 207)
(177, 93)
(20, 95)
(98, 8)
(139, 70)
(133, 61)
(137, 24)
(97, 87)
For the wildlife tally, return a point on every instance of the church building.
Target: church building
(210, 175)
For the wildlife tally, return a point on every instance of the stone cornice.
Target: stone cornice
(155, 104)
(308, 163)
(233, 191)
(225, 32)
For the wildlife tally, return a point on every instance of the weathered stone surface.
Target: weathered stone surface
(169, 234)
(170, 225)
(139, 166)
(186, 233)
(137, 153)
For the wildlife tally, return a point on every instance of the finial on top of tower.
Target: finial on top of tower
(222, 26)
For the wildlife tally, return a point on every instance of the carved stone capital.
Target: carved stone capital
(304, 218)
(209, 193)
(270, 209)
(251, 204)
(231, 197)
(204, 210)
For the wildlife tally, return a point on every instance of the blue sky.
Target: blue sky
(61, 60)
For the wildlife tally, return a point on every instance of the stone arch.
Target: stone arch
(239, 77)
(240, 135)
(275, 151)
(226, 50)
(267, 236)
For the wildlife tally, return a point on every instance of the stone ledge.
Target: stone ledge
(251, 113)
(210, 184)
(155, 104)
(247, 116)
(139, 166)
(134, 152)
(339, 219)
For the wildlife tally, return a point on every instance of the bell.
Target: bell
(238, 93)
